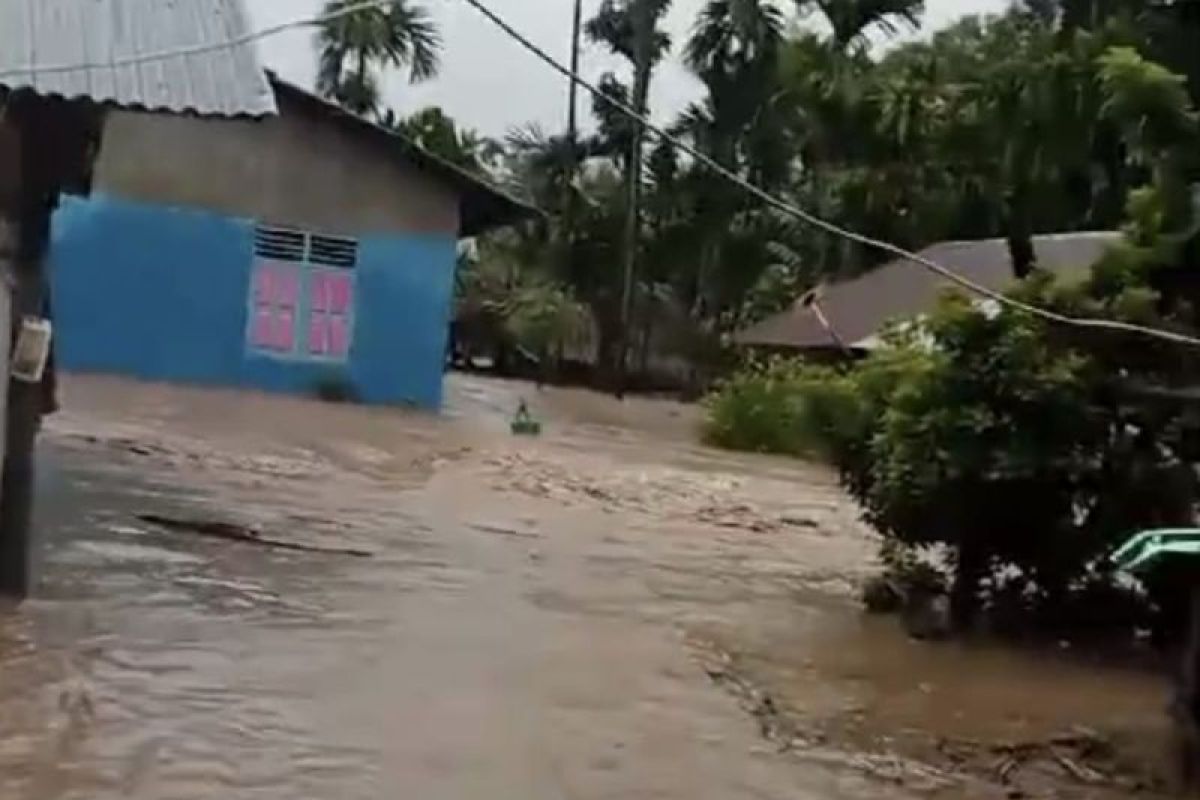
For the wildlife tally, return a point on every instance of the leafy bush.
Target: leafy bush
(770, 407)
(545, 318)
(1025, 450)
(981, 433)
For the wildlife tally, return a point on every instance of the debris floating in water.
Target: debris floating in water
(239, 533)
(524, 423)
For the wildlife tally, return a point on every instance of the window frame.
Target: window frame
(308, 256)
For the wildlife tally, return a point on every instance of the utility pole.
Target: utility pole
(566, 227)
(563, 240)
(643, 58)
(573, 88)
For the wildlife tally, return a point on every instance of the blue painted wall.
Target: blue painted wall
(162, 293)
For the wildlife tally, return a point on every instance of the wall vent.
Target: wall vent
(280, 244)
(333, 251)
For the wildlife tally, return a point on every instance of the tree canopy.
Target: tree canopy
(353, 48)
(1040, 119)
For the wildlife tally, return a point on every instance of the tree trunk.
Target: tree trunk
(964, 593)
(643, 22)
(608, 345)
(1020, 234)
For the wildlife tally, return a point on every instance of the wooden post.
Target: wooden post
(28, 156)
(14, 552)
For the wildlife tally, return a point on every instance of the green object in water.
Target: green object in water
(1149, 549)
(524, 424)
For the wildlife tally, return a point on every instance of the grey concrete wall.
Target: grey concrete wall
(297, 169)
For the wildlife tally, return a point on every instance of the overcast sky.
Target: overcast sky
(488, 82)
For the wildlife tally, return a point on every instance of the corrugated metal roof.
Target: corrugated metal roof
(857, 310)
(84, 49)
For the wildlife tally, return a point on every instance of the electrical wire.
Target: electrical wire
(661, 133)
(818, 222)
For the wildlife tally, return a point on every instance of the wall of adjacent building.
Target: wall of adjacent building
(161, 293)
(300, 169)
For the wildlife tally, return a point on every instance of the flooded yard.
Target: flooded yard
(609, 611)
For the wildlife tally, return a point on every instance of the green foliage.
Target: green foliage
(431, 129)
(778, 406)
(502, 304)
(1149, 101)
(853, 20)
(353, 47)
(979, 446)
(1040, 119)
(1026, 451)
(546, 319)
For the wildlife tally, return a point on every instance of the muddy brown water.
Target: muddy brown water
(539, 618)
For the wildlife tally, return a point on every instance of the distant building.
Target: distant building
(847, 317)
(285, 254)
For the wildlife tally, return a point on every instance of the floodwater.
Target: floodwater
(610, 611)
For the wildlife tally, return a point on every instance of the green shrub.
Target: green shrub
(980, 433)
(770, 407)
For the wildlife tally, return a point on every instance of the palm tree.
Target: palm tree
(353, 46)
(734, 32)
(853, 20)
(433, 130)
(734, 50)
(630, 28)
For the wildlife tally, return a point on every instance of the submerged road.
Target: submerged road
(536, 620)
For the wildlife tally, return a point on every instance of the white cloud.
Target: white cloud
(488, 82)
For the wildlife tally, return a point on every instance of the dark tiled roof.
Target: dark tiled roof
(483, 206)
(858, 309)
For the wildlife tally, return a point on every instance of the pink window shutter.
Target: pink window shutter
(262, 333)
(318, 334)
(339, 336)
(264, 285)
(340, 294)
(285, 330)
(287, 294)
(319, 294)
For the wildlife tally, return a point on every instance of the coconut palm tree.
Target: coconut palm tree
(353, 47)
(853, 21)
(629, 28)
(734, 50)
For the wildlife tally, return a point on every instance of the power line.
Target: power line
(772, 201)
(829, 227)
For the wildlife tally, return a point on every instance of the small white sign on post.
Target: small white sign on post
(31, 350)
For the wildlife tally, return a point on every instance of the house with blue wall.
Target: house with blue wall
(280, 254)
